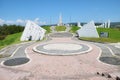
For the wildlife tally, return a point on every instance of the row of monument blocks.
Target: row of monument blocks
(33, 31)
(104, 25)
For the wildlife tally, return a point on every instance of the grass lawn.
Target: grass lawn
(114, 35)
(74, 29)
(10, 39)
(47, 28)
(60, 28)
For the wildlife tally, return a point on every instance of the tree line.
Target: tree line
(9, 29)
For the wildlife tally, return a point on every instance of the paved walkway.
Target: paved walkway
(47, 67)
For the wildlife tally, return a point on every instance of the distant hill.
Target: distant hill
(115, 24)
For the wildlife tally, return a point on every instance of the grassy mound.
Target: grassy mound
(60, 28)
(114, 35)
(10, 39)
(47, 28)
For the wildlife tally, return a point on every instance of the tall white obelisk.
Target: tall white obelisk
(60, 20)
(108, 24)
(78, 24)
(105, 26)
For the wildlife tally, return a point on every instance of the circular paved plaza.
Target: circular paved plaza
(28, 61)
(62, 48)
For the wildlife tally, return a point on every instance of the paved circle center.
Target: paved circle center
(62, 46)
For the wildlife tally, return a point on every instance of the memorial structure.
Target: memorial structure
(78, 24)
(88, 30)
(108, 24)
(32, 31)
(105, 25)
(60, 20)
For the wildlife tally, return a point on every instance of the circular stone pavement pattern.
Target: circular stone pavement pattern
(62, 48)
(16, 61)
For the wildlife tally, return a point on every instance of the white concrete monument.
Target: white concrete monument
(32, 31)
(105, 25)
(60, 20)
(78, 24)
(88, 30)
(101, 26)
(108, 24)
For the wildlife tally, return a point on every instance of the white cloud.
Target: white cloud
(20, 22)
(10, 22)
(37, 21)
(1, 21)
(43, 23)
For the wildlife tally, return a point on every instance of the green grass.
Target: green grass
(47, 28)
(74, 29)
(114, 35)
(10, 39)
(104, 40)
(60, 28)
(113, 32)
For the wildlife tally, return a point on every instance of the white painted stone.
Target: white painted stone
(34, 31)
(88, 30)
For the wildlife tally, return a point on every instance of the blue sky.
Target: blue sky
(47, 11)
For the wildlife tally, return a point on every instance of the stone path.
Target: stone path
(60, 34)
(53, 29)
(68, 28)
(16, 52)
(110, 54)
(47, 67)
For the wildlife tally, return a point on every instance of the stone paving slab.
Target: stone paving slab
(115, 50)
(78, 67)
(61, 34)
(105, 51)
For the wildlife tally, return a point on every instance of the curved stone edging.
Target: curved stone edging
(39, 48)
